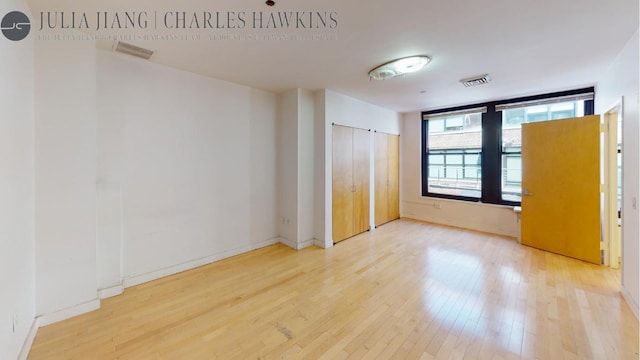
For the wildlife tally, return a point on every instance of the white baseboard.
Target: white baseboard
(321, 244)
(296, 246)
(305, 244)
(28, 342)
(155, 275)
(289, 243)
(626, 295)
(111, 291)
(48, 319)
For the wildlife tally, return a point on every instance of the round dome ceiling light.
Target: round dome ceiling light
(399, 67)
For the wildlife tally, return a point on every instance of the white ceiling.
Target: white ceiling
(527, 46)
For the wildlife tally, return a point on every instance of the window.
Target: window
(512, 120)
(454, 154)
(474, 152)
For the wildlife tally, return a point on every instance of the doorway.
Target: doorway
(612, 174)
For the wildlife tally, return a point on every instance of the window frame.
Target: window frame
(491, 152)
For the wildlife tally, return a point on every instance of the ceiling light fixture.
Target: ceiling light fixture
(399, 67)
(270, 3)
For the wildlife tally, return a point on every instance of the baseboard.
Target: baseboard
(48, 319)
(297, 246)
(321, 244)
(626, 295)
(289, 243)
(28, 342)
(111, 291)
(305, 244)
(172, 270)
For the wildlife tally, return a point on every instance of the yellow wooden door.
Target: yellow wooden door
(561, 187)
(342, 193)
(361, 180)
(394, 177)
(381, 178)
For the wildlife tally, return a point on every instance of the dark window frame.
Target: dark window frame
(491, 152)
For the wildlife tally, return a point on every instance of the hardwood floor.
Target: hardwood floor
(407, 290)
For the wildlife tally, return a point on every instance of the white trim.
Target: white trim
(306, 244)
(288, 243)
(319, 243)
(111, 291)
(48, 319)
(295, 245)
(626, 295)
(172, 270)
(28, 342)
(612, 230)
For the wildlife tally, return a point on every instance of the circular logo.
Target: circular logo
(15, 26)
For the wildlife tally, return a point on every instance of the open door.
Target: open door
(561, 187)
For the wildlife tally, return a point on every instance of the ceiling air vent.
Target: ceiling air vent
(129, 49)
(476, 80)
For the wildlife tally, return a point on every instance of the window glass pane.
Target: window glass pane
(455, 123)
(512, 120)
(454, 159)
(454, 146)
(436, 125)
(511, 177)
(472, 172)
(437, 172)
(436, 159)
(473, 159)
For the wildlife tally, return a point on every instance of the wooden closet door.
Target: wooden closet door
(381, 179)
(393, 176)
(361, 182)
(342, 183)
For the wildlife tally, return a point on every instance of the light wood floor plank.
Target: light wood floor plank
(408, 290)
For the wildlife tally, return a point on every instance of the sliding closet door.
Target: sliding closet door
(381, 180)
(351, 173)
(361, 176)
(387, 175)
(394, 176)
(342, 183)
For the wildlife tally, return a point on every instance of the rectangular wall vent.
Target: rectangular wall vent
(476, 80)
(137, 51)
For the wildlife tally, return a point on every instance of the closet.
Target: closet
(351, 172)
(387, 174)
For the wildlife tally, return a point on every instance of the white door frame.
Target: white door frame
(612, 234)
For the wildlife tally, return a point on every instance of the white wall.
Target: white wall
(322, 170)
(494, 219)
(263, 127)
(17, 250)
(621, 82)
(347, 111)
(194, 161)
(288, 167)
(340, 109)
(296, 168)
(65, 176)
(306, 168)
